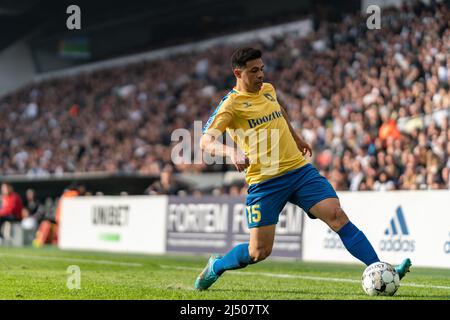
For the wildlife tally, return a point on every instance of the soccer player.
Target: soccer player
(276, 174)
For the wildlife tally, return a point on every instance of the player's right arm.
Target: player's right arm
(211, 145)
(220, 120)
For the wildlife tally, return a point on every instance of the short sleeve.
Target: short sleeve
(221, 119)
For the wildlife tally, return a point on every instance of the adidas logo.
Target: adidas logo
(393, 228)
(395, 231)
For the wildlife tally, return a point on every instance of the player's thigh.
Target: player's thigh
(329, 210)
(314, 191)
(264, 205)
(261, 241)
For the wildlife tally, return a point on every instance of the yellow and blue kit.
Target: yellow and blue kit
(278, 172)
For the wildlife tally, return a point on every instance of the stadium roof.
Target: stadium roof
(16, 20)
(115, 28)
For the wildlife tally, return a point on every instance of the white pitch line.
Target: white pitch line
(109, 262)
(296, 276)
(423, 286)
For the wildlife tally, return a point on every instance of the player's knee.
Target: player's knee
(259, 254)
(338, 219)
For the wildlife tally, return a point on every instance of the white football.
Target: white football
(380, 279)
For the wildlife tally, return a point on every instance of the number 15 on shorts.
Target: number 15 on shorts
(253, 213)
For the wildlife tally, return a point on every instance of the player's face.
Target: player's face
(252, 75)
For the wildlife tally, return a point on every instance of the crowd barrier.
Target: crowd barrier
(399, 224)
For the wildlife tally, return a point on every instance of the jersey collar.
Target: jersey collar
(247, 93)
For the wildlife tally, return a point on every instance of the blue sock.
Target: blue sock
(236, 258)
(357, 244)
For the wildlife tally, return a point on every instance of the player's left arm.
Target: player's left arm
(302, 145)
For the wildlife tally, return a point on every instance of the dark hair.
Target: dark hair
(242, 55)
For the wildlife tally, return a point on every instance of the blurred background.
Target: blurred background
(93, 110)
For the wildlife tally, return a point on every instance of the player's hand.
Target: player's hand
(239, 160)
(303, 146)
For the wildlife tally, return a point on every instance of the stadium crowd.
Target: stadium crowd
(374, 104)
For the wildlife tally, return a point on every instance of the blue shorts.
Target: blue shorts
(303, 187)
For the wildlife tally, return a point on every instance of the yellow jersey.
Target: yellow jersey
(256, 124)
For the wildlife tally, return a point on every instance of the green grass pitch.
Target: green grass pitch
(28, 273)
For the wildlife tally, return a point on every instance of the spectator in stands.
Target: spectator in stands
(383, 184)
(33, 208)
(166, 183)
(389, 130)
(11, 209)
